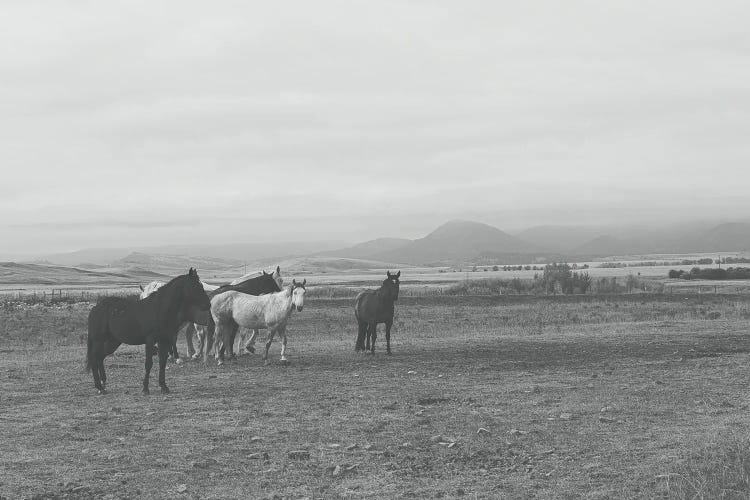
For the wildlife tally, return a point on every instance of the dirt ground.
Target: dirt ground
(482, 398)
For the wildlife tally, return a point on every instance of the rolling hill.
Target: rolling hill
(456, 241)
(40, 274)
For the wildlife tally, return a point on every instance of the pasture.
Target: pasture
(484, 397)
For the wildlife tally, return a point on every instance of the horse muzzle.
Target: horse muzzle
(299, 308)
(202, 317)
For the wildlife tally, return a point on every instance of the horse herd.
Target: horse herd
(216, 313)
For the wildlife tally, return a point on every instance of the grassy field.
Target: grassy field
(634, 396)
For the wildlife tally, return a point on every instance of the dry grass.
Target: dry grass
(579, 397)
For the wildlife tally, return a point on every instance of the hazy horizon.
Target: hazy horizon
(140, 124)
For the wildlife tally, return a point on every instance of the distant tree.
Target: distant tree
(494, 268)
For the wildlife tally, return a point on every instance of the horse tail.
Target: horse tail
(92, 324)
(89, 353)
(357, 302)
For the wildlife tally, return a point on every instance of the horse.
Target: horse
(153, 320)
(262, 284)
(232, 309)
(376, 306)
(189, 329)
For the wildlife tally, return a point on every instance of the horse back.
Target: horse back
(126, 320)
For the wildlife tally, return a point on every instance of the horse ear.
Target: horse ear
(398, 274)
(264, 272)
(141, 287)
(278, 269)
(388, 273)
(294, 282)
(303, 282)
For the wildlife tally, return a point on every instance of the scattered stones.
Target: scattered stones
(369, 447)
(255, 439)
(335, 446)
(606, 409)
(606, 420)
(351, 447)
(203, 464)
(181, 488)
(411, 372)
(566, 416)
(254, 456)
(299, 455)
(406, 445)
(516, 432)
(336, 471)
(451, 445)
(436, 439)
(482, 430)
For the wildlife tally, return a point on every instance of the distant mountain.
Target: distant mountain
(602, 246)
(559, 238)
(246, 252)
(175, 264)
(369, 248)
(728, 237)
(456, 241)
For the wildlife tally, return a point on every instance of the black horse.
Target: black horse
(376, 306)
(265, 283)
(153, 320)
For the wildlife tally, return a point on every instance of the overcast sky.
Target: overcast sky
(159, 122)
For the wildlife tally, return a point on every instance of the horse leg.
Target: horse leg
(219, 340)
(209, 339)
(189, 331)
(367, 337)
(163, 366)
(110, 346)
(282, 336)
(95, 360)
(271, 333)
(360, 345)
(200, 332)
(149, 361)
(232, 336)
(388, 325)
(372, 331)
(250, 345)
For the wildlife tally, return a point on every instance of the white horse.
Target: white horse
(271, 311)
(254, 283)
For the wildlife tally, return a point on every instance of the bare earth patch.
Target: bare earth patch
(482, 398)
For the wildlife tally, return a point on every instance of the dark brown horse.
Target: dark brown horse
(153, 320)
(376, 306)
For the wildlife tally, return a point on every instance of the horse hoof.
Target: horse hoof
(388, 353)
(220, 363)
(146, 392)
(284, 362)
(250, 349)
(102, 391)
(178, 361)
(165, 390)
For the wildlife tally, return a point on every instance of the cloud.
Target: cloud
(125, 112)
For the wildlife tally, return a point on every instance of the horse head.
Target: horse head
(391, 284)
(196, 302)
(276, 275)
(298, 294)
